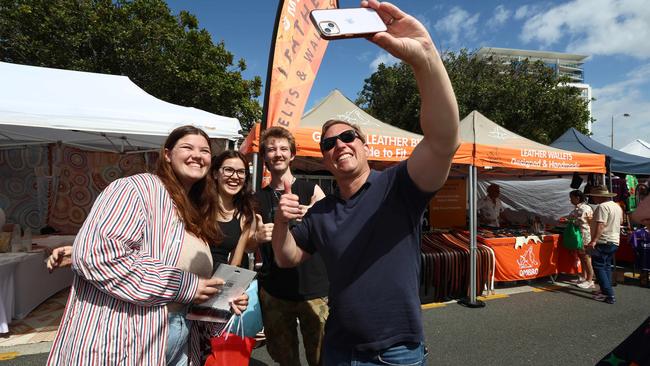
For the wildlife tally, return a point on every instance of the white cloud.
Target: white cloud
(526, 11)
(364, 56)
(383, 58)
(458, 22)
(595, 27)
(627, 96)
(499, 17)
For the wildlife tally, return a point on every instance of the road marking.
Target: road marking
(433, 305)
(8, 356)
(493, 297)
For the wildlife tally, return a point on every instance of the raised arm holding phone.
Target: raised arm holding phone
(368, 233)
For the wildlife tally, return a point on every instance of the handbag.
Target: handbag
(231, 349)
(572, 238)
(251, 318)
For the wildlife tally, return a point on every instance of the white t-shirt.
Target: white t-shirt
(610, 214)
(490, 211)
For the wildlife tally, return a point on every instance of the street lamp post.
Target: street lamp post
(612, 136)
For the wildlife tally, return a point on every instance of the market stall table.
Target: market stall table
(525, 258)
(8, 263)
(25, 281)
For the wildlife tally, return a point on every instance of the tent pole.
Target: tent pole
(471, 300)
(255, 172)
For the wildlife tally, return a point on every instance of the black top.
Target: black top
(308, 280)
(371, 245)
(231, 232)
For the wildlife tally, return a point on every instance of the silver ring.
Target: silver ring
(390, 21)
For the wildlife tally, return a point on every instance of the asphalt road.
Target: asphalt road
(547, 327)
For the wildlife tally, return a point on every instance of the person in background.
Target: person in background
(368, 232)
(490, 208)
(140, 258)
(582, 214)
(236, 210)
(605, 238)
(289, 295)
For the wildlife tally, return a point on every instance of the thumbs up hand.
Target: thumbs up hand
(288, 207)
(263, 231)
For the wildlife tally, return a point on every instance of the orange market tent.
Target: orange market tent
(487, 145)
(495, 150)
(484, 144)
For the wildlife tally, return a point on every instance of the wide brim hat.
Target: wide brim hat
(600, 191)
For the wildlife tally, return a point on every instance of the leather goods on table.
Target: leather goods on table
(445, 267)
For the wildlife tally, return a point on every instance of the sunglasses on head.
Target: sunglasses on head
(345, 136)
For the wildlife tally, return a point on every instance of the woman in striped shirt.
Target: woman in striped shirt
(140, 259)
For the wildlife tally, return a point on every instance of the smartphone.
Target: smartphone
(347, 23)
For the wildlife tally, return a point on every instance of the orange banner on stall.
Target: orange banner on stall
(448, 208)
(531, 260)
(529, 158)
(297, 55)
(381, 147)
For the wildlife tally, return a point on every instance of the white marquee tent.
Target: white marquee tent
(92, 111)
(637, 147)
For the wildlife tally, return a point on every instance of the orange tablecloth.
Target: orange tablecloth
(532, 260)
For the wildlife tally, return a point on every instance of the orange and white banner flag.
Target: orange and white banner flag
(298, 51)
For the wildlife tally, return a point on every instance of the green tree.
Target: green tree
(523, 97)
(168, 56)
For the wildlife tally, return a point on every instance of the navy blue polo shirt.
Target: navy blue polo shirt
(371, 248)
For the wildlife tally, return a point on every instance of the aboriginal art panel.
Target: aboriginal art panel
(82, 175)
(24, 185)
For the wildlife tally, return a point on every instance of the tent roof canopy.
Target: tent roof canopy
(486, 144)
(93, 111)
(620, 162)
(338, 106)
(637, 147)
(386, 142)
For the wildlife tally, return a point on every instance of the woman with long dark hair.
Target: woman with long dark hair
(236, 209)
(140, 258)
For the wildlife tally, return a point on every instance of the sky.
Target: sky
(613, 33)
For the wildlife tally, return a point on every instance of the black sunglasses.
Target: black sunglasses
(345, 136)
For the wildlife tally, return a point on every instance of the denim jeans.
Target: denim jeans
(414, 354)
(177, 336)
(601, 260)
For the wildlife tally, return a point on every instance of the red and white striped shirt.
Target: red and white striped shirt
(123, 258)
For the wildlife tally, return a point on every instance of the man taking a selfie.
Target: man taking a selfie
(368, 233)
